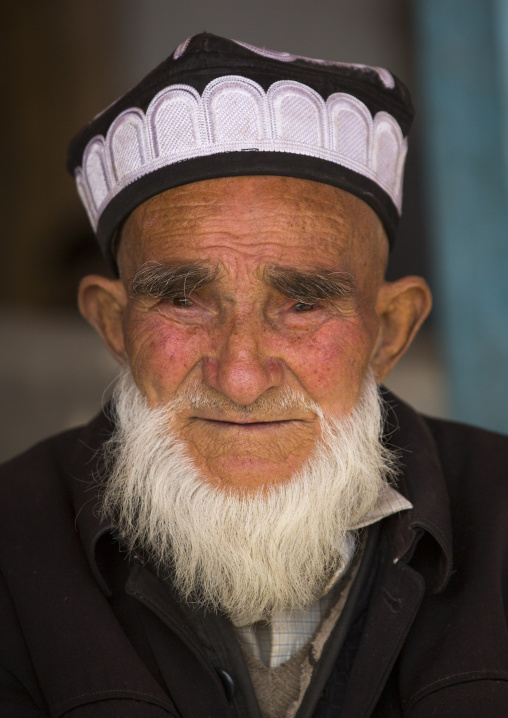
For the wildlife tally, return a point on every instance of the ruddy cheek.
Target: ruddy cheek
(330, 364)
(161, 357)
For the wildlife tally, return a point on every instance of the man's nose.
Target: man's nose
(241, 365)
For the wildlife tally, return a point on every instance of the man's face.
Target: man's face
(246, 287)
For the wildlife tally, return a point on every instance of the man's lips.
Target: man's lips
(248, 424)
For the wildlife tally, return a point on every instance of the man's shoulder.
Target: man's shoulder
(458, 444)
(44, 451)
(471, 461)
(469, 448)
(51, 461)
(45, 491)
(452, 431)
(474, 463)
(40, 467)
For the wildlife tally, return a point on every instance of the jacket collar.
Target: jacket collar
(87, 475)
(421, 481)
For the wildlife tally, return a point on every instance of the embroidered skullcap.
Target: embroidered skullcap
(222, 108)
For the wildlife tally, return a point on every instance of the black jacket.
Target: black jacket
(88, 631)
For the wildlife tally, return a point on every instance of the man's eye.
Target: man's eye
(182, 302)
(303, 307)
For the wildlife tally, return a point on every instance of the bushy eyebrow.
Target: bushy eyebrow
(311, 287)
(167, 281)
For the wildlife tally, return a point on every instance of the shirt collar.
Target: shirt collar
(389, 502)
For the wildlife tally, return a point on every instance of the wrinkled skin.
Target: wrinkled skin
(241, 336)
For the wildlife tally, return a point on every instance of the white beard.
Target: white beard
(245, 554)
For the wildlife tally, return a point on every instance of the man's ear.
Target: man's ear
(102, 301)
(402, 307)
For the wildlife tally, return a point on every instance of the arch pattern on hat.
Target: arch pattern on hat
(234, 113)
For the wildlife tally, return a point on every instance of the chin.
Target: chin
(247, 475)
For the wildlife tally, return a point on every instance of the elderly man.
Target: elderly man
(250, 528)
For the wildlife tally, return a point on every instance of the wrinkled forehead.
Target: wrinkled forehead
(294, 214)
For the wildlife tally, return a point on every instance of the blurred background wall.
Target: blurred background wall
(63, 62)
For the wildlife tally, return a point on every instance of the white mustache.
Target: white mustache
(272, 402)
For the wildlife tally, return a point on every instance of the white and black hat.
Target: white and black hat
(222, 108)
